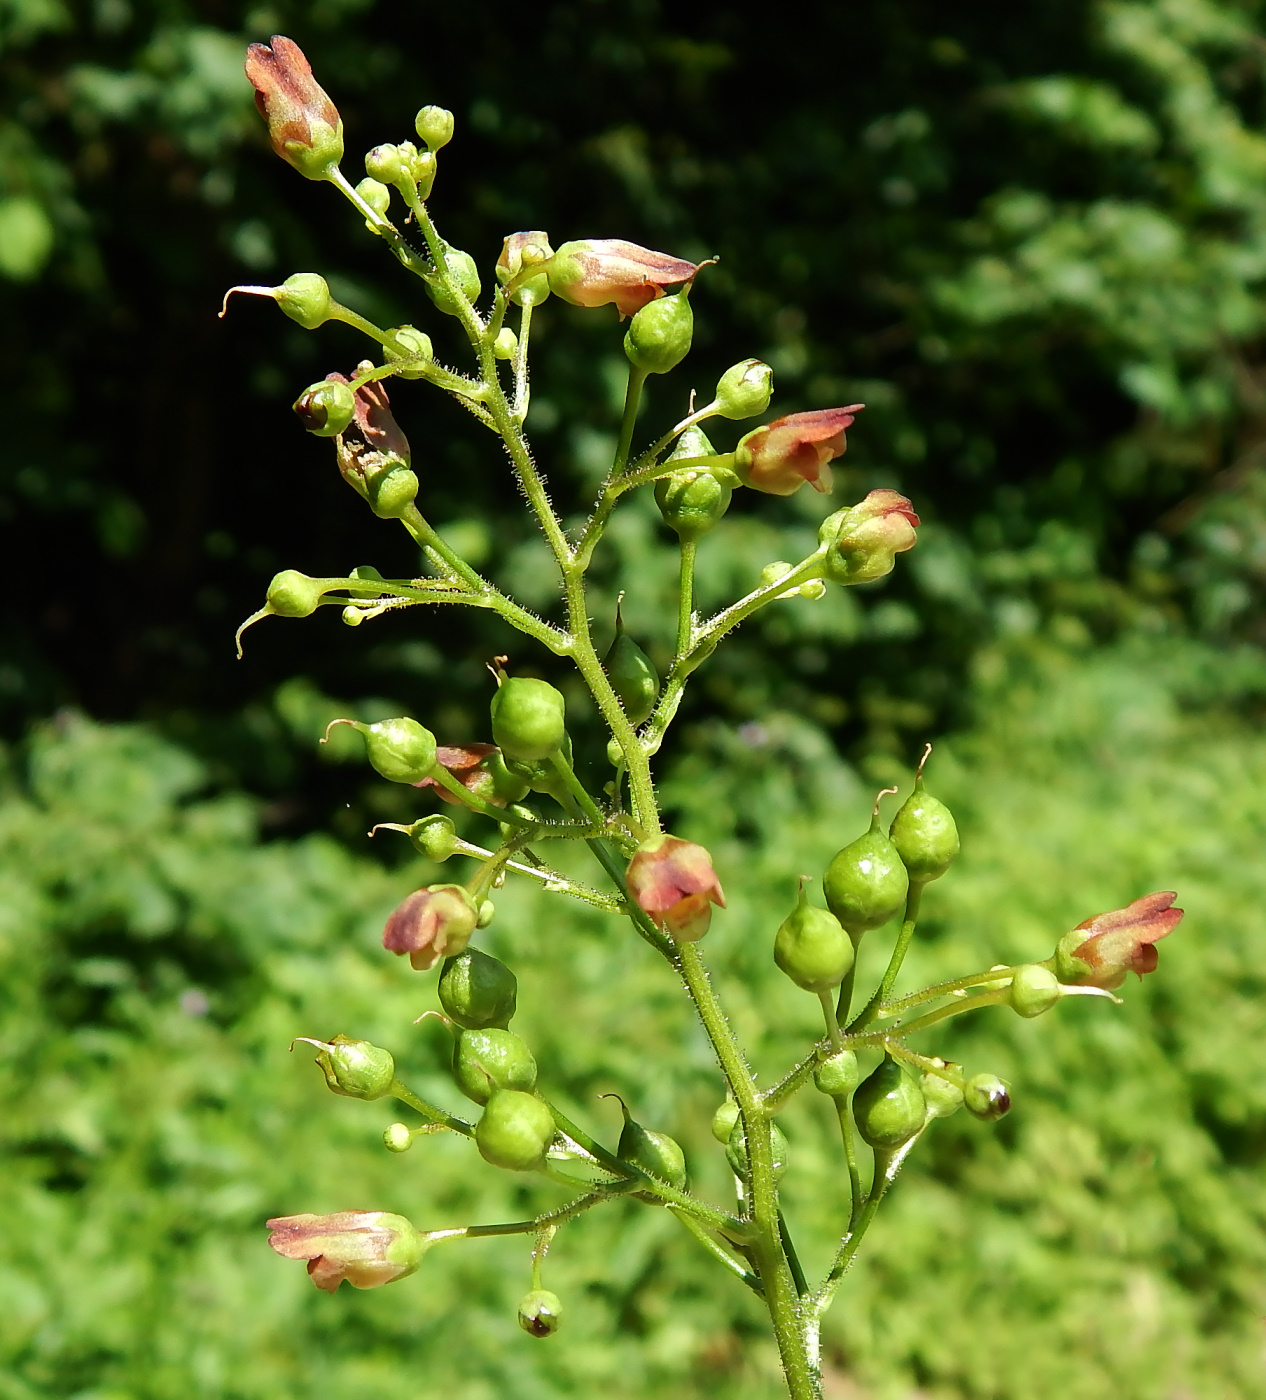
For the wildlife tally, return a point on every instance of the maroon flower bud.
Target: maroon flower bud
(303, 124)
(431, 924)
(863, 541)
(1100, 951)
(595, 271)
(366, 1247)
(780, 457)
(673, 881)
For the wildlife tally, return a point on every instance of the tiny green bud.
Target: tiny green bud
(396, 1137)
(924, 833)
(812, 948)
(355, 1068)
(659, 335)
(654, 1152)
(520, 253)
(528, 719)
(632, 674)
(422, 167)
(392, 492)
(461, 268)
(888, 1106)
(505, 344)
(486, 1060)
(772, 572)
(326, 407)
(986, 1097)
(434, 125)
(292, 594)
(487, 912)
(411, 349)
(942, 1095)
(478, 991)
(384, 164)
(376, 195)
(724, 1119)
(352, 616)
(736, 1149)
(540, 1313)
(866, 883)
(692, 500)
(1034, 989)
(838, 1075)
(744, 390)
(515, 1130)
(399, 749)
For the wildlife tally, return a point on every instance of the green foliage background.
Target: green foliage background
(1036, 250)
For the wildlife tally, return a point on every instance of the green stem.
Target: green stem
(522, 392)
(443, 778)
(945, 989)
(632, 401)
(832, 1024)
(551, 879)
(900, 1031)
(844, 1114)
(899, 951)
(793, 1259)
(381, 225)
(541, 1222)
(429, 1111)
(686, 597)
(718, 1251)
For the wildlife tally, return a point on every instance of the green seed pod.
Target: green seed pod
(305, 298)
(434, 126)
(528, 719)
(326, 407)
(866, 884)
(411, 348)
(396, 1137)
(659, 335)
(692, 500)
(1034, 989)
(355, 1068)
(812, 948)
(462, 269)
(724, 1119)
(924, 833)
(487, 912)
(888, 1106)
(942, 1096)
(505, 344)
(515, 1130)
(478, 991)
(632, 674)
(736, 1149)
(376, 195)
(399, 749)
(392, 492)
(987, 1097)
(838, 1075)
(540, 1313)
(744, 390)
(656, 1153)
(292, 594)
(487, 1060)
(434, 837)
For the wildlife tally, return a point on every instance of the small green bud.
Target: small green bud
(812, 948)
(434, 125)
(515, 1130)
(411, 349)
(724, 1119)
(462, 269)
(376, 195)
(392, 492)
(355, 1068)
(422, 167)
(396, 1137)
(478, 991)
(888, 1106)
(924, 833)
(487, 912)
(744, 390)
(384, 164)
(986, 1097)
(528, 719)
(656, 1153)
(942, 1095)
(659, 335)
(866, 883)
(632, 674)
(1034, 989)
(434, 837)
(736, 1149)
(540, 1313)
(520, 253)
(487, 1060)
(292, 594)
(772, 572)
(326, 407)
(692, 500)
(399, 749)
(505, 344)
(352, 616)
(838, 1075)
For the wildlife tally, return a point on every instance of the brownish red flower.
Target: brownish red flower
(780, 457)
(303, 124)
(367, 1248)
(1100, 951)
(863, 540)
(431, 924)
(595, 271)
(673, 881)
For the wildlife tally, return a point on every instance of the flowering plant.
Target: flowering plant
(522, 778)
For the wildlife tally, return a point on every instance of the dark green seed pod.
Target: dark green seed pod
(528, 719)
(659, 335)
(924, 833)
(736, 1149)
(488, 1060)
(434, 837)
(986, 1097)
(478, 991)
(888, 1107)
(632, 675)
(692, 500)
(1034, 989)
(724, 1119)
(866, 884)
(942, 1096)
(656, 1153)
(400, 749)
(355, 1068)
(514, 1131)
(838, 1075)
(292, 594)
(540, 1313)
(812, 948)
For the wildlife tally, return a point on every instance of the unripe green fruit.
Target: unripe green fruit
(488, 1060)
(515, 1131)
(837, 1076)
(434, 837)
(1034, 989)
(396, 1137)
(411, 348)
(478, 991)
(659, 335)
(925, 836)
(888, 1106)
(986, 1097)
(540, 1313)
(462, 269)
(434, 126)
(736, 1149)
(745, 389)
(942, 1096)
(724, 1119)
(355, 1068)
(292, 594)
(392, 492)
(326, 407)
(305, 298)
(692, 500)
(399, 749)
(866, 884)
(528, 719)
(656, 1153)
(633, 677)
(812, 948)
